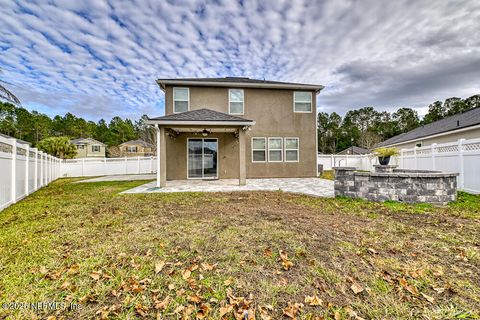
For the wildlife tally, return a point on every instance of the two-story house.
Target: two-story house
(88, 148)
(225, 128)
(136, 148)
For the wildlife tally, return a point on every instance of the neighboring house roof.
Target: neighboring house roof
(201, 116)
(138, 142)
(450, 124)
(86, 141)
(238, 82)
(354, 150)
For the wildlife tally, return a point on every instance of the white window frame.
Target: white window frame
(264, 150)
(243, 102)
(94, 147)
(285, 149)
(188, 99)
(80, 146)
(281, 149)
(295, 101)
(129, 151)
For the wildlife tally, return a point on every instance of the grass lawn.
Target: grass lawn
(213, 256)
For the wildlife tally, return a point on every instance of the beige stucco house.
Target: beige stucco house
(465, 125)
(220, 128)
(88, 147)
(136, 148)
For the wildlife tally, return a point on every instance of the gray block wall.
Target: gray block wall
(388, 183)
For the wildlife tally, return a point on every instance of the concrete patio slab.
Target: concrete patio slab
(310, 186)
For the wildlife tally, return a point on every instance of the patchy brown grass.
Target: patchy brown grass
(204, 255)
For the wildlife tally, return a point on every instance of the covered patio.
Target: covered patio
(192, 145)
(309, 186)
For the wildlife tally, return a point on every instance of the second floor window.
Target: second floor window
(235, 99)
(302, 101)
(95, 148)
(181, 97)
(132, 149)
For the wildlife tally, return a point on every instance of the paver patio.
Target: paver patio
(310, 186)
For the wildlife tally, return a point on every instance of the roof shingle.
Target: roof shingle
(201, 115)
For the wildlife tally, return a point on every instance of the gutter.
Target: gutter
(200, 123)
(317, 88)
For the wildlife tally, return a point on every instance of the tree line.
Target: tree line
(365, 127)
(33, 127)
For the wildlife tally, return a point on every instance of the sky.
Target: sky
(98, 59)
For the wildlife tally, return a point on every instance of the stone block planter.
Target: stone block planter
(390, 183)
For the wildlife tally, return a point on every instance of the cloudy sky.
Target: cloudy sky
(100, 59)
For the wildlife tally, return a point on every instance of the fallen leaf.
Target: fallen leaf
(356, 288)
(95, 275)
(208, 267)
(313, 300)
(195, 299)
(439, 290)
(408, 287)
(186, 274)
(162, 305)
(292, 309)
(159, 266)
(287, 264)
(141, 310)
(428, 298)
(225, 310)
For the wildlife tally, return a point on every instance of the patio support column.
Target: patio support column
(157, 129)
(163, 158)
(242, 172)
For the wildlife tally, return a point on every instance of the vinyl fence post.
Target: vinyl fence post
(27, 174)
(83, 167)
(433, 151)
(415, 157)
(35, 170)
(14, 170)
(332, 161)
(126, 165)
(401, 158)
(461, 182)
(138, 163)
(105, 166)
(40, 162)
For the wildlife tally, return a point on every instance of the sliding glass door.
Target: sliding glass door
(202, 158)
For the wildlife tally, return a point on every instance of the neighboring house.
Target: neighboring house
(88, 147)
(464, 125)
(136, 148)
(219, 128)
(354, 150)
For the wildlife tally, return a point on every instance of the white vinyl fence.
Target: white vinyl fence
(23, 170)
(462, 156)
(361, 162)
(107, 166)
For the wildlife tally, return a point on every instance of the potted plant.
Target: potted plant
(384, 155)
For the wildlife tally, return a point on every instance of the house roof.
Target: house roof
(137, 142)
(450, 124)
(86, 140)
(201, 116)
(238, 82)
(354, 150)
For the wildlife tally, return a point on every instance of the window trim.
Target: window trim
(96, 145)
(230, 101)
(264, 150)
(281, 149)
(285, 149)
(136, 149)
(188, 98)
(311, 102)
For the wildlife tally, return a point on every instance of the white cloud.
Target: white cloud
(100, 59)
